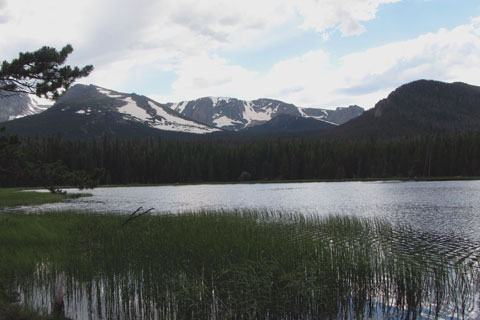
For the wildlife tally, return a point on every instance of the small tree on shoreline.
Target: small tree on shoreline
(54, 174)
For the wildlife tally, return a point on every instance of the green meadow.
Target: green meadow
(231, 265)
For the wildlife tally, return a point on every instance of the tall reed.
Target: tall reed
(235, 265)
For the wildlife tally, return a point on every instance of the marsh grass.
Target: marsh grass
(12, 197)
(233, 265)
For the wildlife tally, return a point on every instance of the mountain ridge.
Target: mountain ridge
(228, 118)
(235, 114)
(92, 108)
(92, 112)
(416, 108)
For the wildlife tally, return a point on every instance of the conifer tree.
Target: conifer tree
(43, 73)
(40, 72)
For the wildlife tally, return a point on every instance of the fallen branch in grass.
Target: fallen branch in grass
(135, 215)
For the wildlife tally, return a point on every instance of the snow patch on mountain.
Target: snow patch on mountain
(131, 108)
(156, 116)
(88, 111)
(162, 119)
(251, 115)
(171, 122)
(22, 105)
(224, 121)
(216, 100)
(179, 107)
(109, 93)
(30, 109)
(320, 117)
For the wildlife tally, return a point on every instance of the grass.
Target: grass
(232, 265)
(12, 197)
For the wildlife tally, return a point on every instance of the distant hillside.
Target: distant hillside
(285, 124)
(420, 107)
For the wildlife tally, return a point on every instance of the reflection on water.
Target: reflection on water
(446, 207)
(407, 275)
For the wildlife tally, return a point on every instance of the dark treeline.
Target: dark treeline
(166, 161)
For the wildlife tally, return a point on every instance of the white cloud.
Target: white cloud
(3, 13)
(120, 37)
(212, 76)
(445, 55)
(322, 15)
(205, 75)
(3, 18)
(361, 78)
(103, 32)
(366, 77)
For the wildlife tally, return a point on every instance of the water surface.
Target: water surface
(446, 207)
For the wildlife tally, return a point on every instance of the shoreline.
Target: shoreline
(16, 197)
(392, 179)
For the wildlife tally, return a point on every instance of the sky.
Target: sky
(312, 53)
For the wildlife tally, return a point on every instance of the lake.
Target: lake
(442, 221)
(445, 207)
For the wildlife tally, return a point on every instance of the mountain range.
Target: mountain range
(234, 114)
(419, 107)
(91, 111)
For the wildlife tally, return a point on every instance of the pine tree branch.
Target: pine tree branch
(40, 73)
